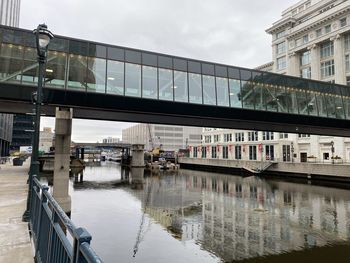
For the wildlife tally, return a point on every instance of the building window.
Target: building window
(216, 137)
(239, 137)
(343, 22)
(252, 152)
(327, 49)
(348, 81)
(304, 135)
(305, 73)
(268, 136)
(281, 63)
(204, 152)
(228, 137)
(283, 135)
(225, 152)
(347, 42)
(195, 152)
(280, 34)
(305, 39)
(327, 68)
(207, 139)
(305, 58)
(252, 136)
(347, 63)
(213, 152)
(327, 29)
(281, 48)
(319, 32)
(238, 152)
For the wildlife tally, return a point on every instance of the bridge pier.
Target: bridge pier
(63, 131)
(137, 155)
(136, 178)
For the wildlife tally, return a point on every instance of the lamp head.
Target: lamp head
(43, 38)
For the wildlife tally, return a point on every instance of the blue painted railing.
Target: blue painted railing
(49, 225)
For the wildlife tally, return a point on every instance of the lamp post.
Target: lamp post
(332, 150)
(43, 37)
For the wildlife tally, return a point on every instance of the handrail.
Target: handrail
(49, 224)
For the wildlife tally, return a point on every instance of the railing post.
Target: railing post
(53, 220)
(43, 200)
(81, 235)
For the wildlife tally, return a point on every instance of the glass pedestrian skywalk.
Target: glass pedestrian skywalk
(93, 67)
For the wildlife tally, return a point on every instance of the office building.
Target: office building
(167, 137)
(311, 40)
(9, 15)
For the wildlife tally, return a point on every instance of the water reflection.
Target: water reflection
(226, 217)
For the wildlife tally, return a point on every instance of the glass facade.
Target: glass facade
(90, 67)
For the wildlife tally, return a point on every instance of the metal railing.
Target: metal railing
(49, 225)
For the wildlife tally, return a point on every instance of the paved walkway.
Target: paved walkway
(15, 245)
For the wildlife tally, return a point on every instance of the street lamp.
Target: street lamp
(332, 150)
(43, 37)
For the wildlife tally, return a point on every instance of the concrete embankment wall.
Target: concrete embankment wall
(332, 172)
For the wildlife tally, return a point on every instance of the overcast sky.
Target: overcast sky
(224, 31)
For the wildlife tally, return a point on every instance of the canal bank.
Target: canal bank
(310, 171)
(15, 245)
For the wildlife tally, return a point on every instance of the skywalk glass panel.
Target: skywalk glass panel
(235, 93)
(166, 87)
(209, 94)
(320, 100)
(132, 80)
(248, 94)
(292, 99)
(195, 88)
(346, 101)
(11, 63)
(115, 77)
(312, 105)
(334, 102)
(30, 67)
(149, 82)
(281, 99)
(96, 75)
(55, 69)
(180, 86)
(77, 72)
(222, 92)
(259, 98)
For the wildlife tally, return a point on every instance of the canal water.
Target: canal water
(191, 216)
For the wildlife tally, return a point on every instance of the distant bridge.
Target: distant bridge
(118, 145)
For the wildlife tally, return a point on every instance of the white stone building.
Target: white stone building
(168, 137)
(311, 40)
(46, 139)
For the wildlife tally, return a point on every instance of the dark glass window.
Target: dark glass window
(149, 59)
(180, 86)
(165, 62)
(11, 58)
(58, 44)
(77, 72)
(30, 66)
(221, 71)
(55, 69)
(133, 56)
(96, 75)
(77, 47)
(194, 67)
(149, 82)
(195, 88)
(233, 73)
(116, 53)
(209, 94)
(166, 90)
(97, 51)
(132, 80)
(207, 69)
(180, 64)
